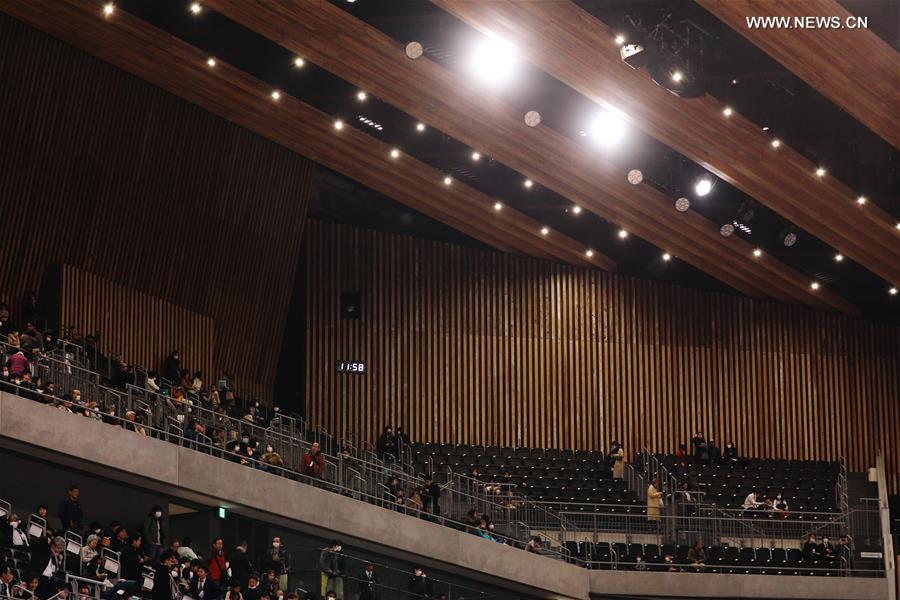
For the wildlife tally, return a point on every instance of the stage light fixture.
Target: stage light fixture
(299, 62)
(861, 200)
(623, 234)
(338, 124)
(447, 180)
(607, 129)
(210, 62)
(757, 253)
(576, 209)
(634, 55)
(789, 239)
(635, 177)
(892, 291)
(620, 39)
(727, 111)
(776, 143)
(420, 127)
(361, 96)
(820, 172)
(528, 183)
(276, 95)
(476, 156)
(677, 76)
(108, 9)
(666, 257)
(493, 61)
(589, 253)
(545, 230)
(838, 258)
(395, 153)
(497, 206)
(703, 186)
(196, 8)
(814, 285)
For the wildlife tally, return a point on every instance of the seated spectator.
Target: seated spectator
(826, 550)
(400, 500)
(669, 564)
(18, 364)
(28, 588)
(119, 542)
(151, 384)
(203, 587)
(639, 564)
(752, 501)
(534, 545)
(166, 585)
(313, 462)
(780, 506)
(197, 382)
(811, 548)
(13, 537)
(12, 338)
(270, 457)
(7, 579)
(472, 521)
(234, 591)
(431, 496)
(697, 555)
(90, 555)
(414, 504)
(253, 591)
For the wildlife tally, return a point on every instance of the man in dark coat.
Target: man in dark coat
(70, 512)
(165, 583)
(386, 447)
(419, 586)
(368, 583)
(240, 564)
(203, 587)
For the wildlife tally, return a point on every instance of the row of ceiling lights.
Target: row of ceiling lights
(607, 123)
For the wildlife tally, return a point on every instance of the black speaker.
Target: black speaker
(351, 305)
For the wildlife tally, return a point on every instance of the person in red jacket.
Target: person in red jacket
(17, 364)
(313, 463)
(218, 565)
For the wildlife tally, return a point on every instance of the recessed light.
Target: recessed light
(338, 124)
(108, 9)
(838, 257)
(589, 253)
(814, 285)
(666, 256)
(576, 209)
(420, 127)
(476, 156)
(677, 76)
(395, 153)
(892, 291)
(528, 183)
(447, 180)
(703, 186)
(497, 206)
(757, 253)
(276, 95)
(897, 225)
(820, 172)
(734, 82)
(727, 111)
(776, 142)
(361, 95)
(196, 8)
(211, 61)
(545, 230)
(861, 200)
(623, 234)
(620, 39)
(299, 62)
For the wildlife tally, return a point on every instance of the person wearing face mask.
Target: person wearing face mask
(13, 537)
(419, 585)
(154, 535)
(330, 568)
(167, 577)
(730, 456)
(386, 447)
(270, 457)
(275, 559)
(811, 548)
(826, 549)
(780, 506)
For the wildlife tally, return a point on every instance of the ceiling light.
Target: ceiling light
(361, 95)
(892, 291)
(776, 142)
(666, 257)
(532, 118)
(757, 253)
(108, 9)
(897, 225)
(497, 206)
(766, 128)
(620, 39)
(814, 285)
(545, 230)
(211, 61)
(635, 177)
(420, 127)
(838, 257)
(682, 204)
(861, 200)
(476, 156)
(414, 50)
(623, 234)
(607, 129)
(820, 172)
(338, 124)
(790, 239)
(677, 76)
(395, 153)
(727, 111)
(276, 95)
(447, 180)
(703, 186)
(299, 62)
(576, 209)
(726, 230)
(196, 8)
(493, 61)
(589, 253)
(734, 82)
(528, 183)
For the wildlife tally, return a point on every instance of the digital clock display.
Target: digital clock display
(351, 366)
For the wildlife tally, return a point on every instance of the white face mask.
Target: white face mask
(13, 524)
(276, 544)
(269, 449)
(157, 514)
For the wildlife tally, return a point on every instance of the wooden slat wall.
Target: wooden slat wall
(112, 175)
(137, 327)
(464, 345)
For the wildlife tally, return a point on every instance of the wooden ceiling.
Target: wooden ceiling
(852, 67)
(360, 54)
(576, 48)
(163, 60)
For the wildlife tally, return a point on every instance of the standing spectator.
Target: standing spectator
(654, 501)
(419, 585)
(844, 550)
(17, 363)
(330, 571)
(132, 559)
(715, 455)
(240, 564)
(386, 447)
(731, 454)
(313, 462)
(811, 548)
(431, 496)
(534, 545)
(401, 442)
(172, 367)
(217, 565)
(698, 443)
(617, 460)
(154, 536)
(204, 587)
(151, 384)
(70, 512)
(368, 583)
(275, 559)
(165, 580)
(197, 382)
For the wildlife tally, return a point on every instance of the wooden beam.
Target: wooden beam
(852, 67)
(165, 61)
(337, 41)
(580, 50)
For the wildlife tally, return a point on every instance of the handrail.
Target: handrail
(887, 542)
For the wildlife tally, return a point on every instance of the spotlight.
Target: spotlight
(276, 95)
(623, 234)
(820, 172)
(576, 209)
(196, 8)
(682, 204)
(497, 206)
(545, 230)
(776, 143)
(727, 111)
(361, 96)
(299, 62)
(790, 238)
(703, 186)
(726, 230)
(414, 50)
(666, 257)
(528, 183)
(892, 291)
(634, 55)
(620, 39)
(607, 129)
(447, 180)
(734, 82)
(493, 61)
(476, 156)
(589, 253)
(897, 225)
(677, 76)
(395, 153)
(338, 124)
(108, 9)
(532, 118)
(814, 285)
(838, 258)
(757, 253)
(861, 200)
(211, 61)
(635, 177)
(420, 127)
